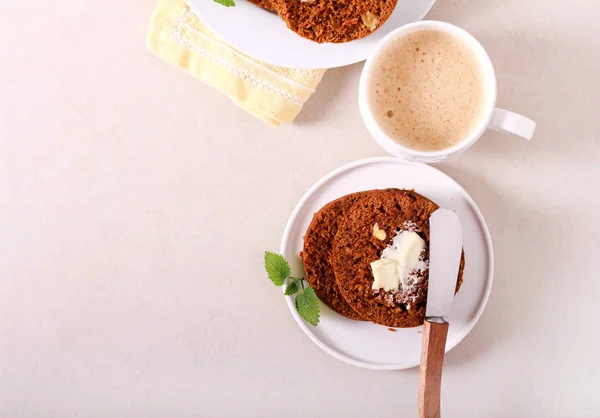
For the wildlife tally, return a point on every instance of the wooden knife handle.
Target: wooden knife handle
(432, 359)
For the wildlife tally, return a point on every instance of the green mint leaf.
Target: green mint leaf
(277, 268)
(226, 3)
(307, 304)
(293, 287)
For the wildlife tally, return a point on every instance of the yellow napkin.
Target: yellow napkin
(274, 94)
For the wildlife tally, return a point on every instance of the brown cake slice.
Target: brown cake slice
(358, 242)
(316, 254)
(335, 21)
(266, 4)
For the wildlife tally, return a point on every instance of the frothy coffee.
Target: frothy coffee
(426, 90)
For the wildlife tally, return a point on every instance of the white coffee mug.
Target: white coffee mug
(497, 119)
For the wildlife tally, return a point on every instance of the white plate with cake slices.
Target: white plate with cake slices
(366, 344)
(264, 36)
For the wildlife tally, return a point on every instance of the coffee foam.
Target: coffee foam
(426, 90)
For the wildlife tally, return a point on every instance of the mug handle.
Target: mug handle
(512, 123)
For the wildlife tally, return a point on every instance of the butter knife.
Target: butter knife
(445, 248)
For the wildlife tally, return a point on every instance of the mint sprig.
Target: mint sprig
(307, 302)
(277, 268)
(226, 3)
(293, 287)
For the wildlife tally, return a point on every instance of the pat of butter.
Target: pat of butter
(397, 261)
(384, 274)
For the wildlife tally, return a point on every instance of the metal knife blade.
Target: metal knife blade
(445, 248)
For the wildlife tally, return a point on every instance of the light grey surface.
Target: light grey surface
(136, 203)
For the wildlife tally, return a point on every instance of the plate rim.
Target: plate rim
(349, 166)
(331, 64)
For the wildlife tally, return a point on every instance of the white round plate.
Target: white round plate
(374, 346)
(264, 36)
